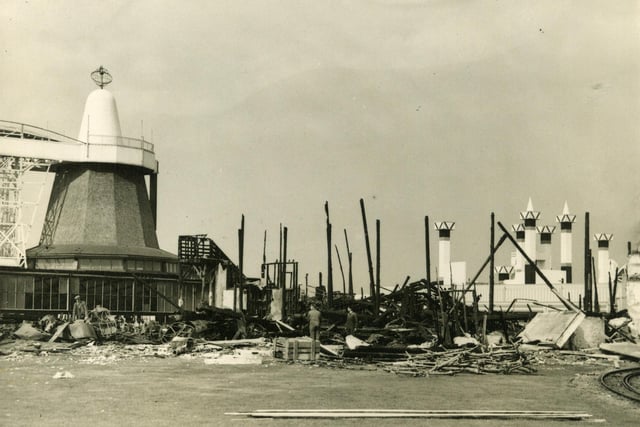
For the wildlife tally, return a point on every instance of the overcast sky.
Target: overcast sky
(452, 109)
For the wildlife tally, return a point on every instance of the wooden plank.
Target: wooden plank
(376, 413)
(59, 332)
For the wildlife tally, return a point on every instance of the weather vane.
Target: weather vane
(101, 77)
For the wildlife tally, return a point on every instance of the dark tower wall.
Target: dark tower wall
(97, 204)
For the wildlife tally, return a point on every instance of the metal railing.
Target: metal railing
(24, 131)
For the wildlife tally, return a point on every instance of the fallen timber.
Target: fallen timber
(403, 413)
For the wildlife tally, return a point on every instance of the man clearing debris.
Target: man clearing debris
(79, 309)
(314, 322)
(241, 332)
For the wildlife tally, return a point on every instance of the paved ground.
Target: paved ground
(184, 390)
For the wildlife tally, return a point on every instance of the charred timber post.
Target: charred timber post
(329, 264)
(241, 261)
(492, 266)
(350, 257)
(344, 282)
(284, 272)
(377, 305)
(596, 302)
(372, 291)
(427, 249)
(587, 265)
(565, 302)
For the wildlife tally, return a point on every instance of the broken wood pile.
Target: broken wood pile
(500, 360)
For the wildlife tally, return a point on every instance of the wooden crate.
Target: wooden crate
(295, 348)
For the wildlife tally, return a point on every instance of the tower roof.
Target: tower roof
(529, 213)
(100, 117)
(566, 216)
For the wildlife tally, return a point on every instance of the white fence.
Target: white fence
(539, 297)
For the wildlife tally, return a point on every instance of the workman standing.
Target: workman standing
(79, 309)
(241, 332)
(352, 322)
(314, 322)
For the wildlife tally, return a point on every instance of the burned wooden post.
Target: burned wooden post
(372, 291)
(594, 285)
(492, 266)
(377, 300)
(427, 249)
(283, 277)
(344, 282)
(587, 265)
(241, 263)
(329, 266)
(350, 258)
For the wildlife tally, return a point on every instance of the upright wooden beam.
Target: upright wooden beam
(329, 264)
(350, 257)
(587, 265)
(241, 262)
(377, 305)
(372, 290)
(427, 249)
(492, 266)
(284, 272)
(344, 282)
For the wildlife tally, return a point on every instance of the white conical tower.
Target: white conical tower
(100, 122)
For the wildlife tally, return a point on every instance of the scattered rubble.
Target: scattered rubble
(420, 329)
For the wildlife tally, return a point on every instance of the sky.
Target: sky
(269, 109)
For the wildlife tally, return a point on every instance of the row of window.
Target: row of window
(55, 293)
(107, 264)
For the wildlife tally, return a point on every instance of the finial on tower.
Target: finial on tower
(101, 77)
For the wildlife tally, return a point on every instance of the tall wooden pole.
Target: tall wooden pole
(284, 272)
(377, 266)
(372, 290)
(427, 249)
(344, 282)
(241, 262)
(587, 265)
(264, 256)
(492, 266)
(350, 257)
(329, 264)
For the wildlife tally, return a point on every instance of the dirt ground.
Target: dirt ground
(183, 390)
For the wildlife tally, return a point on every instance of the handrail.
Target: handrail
(33, 132)
(26, 131)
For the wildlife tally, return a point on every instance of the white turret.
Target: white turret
(566, 221)
(529, 217)
(444, 250)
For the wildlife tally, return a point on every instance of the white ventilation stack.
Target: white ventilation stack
(529, 218)
(444, 250)
(566, 221)
(544, 257)
(518, 264)
(604, 263)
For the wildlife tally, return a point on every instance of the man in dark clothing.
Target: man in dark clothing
(314, 322)
(79, 309)
(352, 322)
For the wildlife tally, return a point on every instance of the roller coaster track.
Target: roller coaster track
(624, 382)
